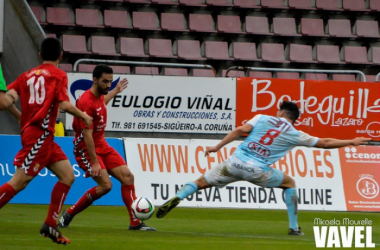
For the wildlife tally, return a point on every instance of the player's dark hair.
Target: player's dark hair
(100, 69)
(291, 110)
(51, 49)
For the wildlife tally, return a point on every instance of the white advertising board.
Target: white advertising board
(166, 103)
(161, 166)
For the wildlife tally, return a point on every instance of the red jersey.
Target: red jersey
(41, 90)
(96, 108)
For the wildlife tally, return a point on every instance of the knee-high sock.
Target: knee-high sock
(84, 202)
(58, 197)
(128, 195)
(6, 194)
(291, 201)
(188, 189)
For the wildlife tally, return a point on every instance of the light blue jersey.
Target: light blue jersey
(271, 139)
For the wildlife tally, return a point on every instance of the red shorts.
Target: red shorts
(38, 151)
(108, 160)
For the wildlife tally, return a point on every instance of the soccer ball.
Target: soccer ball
(142, 208)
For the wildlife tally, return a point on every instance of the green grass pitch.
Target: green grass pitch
(106, 228)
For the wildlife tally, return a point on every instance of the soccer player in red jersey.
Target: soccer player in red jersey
(94, 155)
(42, 91)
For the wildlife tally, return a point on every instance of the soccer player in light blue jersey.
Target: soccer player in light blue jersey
(270, 138)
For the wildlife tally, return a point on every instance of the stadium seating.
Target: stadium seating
(354, 5)
(260, 74)
(244, 51)
(203, 72)
(301, 53)
(117, 19)
(86, 67)
(59, 16)
(175, 71)
(328, 54)
(219, 2)
(191, 2)
(273, 52)
(68, 67)
(146, 71)
(374, 55)
(145, 21)
(328, 5)
(173, 22)
(288, 75)
(38, 12)
(216, 50)
(132, 47)
(355, 54)
(233, 73)
(278, 4)
(340, 28)
(229, 24)
(374, 5)
(316, 76)
(75, 44)
(300, 4)
(284, 26)
(87, 18)
(344, 77)
(201, 23)
(165, 1)
(189, 49)
(312, 27)
(257, 25)
(160, 48)
(246, 4)
(367, 28)
(103, 45)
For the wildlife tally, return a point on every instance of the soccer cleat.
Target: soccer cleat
(54, 234)
(65, 219)
(167, 206)
(296, 232)
(142, 227)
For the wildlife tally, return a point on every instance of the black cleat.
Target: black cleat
(294, 232)
(54, 234)
(167, 206)
(65, 219)
(142, 227)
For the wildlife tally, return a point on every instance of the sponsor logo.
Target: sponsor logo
(36, 167)
(352, 155)
(367, 187)
(259, 149)
(344, 233)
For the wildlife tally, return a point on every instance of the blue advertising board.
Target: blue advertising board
(39, 189)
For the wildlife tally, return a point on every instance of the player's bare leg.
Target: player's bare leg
(291, 201)
(64, 172)
(94, 193)
(127, 179)
(188, 189)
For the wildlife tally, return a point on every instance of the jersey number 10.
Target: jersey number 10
(37, 90)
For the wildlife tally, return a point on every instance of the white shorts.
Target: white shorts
(233, 169)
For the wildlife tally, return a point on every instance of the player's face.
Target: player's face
(104, 83)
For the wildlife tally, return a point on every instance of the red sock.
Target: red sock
(58, 197)
(6, 194)
(84, 202)
(128, 195)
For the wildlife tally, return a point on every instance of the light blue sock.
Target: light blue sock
(291, 201)
(188, 189)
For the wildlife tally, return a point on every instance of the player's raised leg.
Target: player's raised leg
(91, 195)
(126, 178)
(187, 190)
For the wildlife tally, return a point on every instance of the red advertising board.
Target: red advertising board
(329, 108)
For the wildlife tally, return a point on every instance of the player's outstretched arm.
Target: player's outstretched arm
(236, 133)
(71, 109)
(121, 85)
(336, 143)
